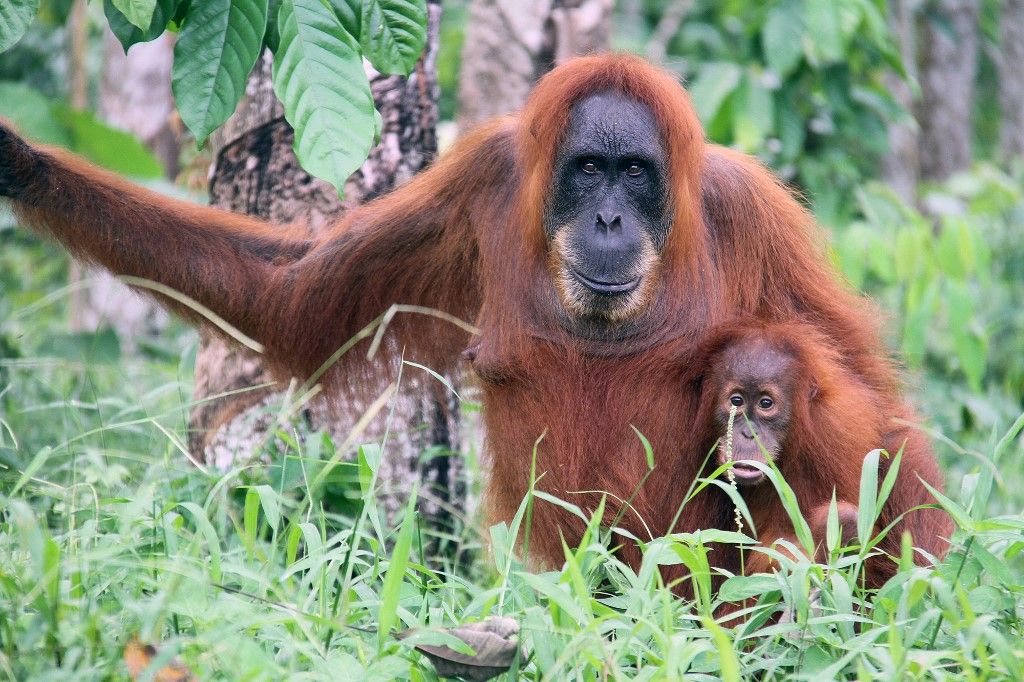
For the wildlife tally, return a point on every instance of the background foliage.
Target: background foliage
(107, 531)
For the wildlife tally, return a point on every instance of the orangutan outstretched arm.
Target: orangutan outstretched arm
(301, 299)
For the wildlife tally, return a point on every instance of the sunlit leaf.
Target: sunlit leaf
(32, 114)
(821, 18)
(138, 12)
(113, 149)
(713, 84)
(781, 37)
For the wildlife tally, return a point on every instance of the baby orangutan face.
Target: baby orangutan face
(758, 380)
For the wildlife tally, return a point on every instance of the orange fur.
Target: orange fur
(837, 419)
(466, 237)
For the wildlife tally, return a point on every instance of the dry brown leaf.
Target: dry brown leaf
(138, 656)
(493, 639)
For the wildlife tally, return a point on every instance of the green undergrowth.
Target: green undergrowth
(289, 568)
(108, 532)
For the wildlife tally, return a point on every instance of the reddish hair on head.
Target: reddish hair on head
(545, 118)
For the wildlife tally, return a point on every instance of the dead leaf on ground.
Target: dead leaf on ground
(494, 641)
(138, 656)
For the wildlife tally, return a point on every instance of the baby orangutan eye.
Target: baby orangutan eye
(766, 403)
(736, 399)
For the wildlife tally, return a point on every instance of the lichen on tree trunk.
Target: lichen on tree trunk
(1011, 79)
(256, 172)
(900, 166)
(948, 71)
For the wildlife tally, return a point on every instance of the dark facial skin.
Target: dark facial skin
(608, 220)
(759, 381)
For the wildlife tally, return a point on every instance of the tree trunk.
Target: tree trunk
(948, 70)
(900, 166)
(1011, 79)
(135, 96)
(667, 28)
(256, 172)
(510, 45)
(78, 97)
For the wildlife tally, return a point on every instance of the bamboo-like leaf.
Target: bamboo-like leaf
(319, 77)
(866, 505)
(215, 52)
(391, 590)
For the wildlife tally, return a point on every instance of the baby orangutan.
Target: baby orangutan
(793, 402)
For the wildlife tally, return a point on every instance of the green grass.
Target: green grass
(108, 532)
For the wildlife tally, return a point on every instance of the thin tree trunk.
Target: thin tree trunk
(256, 173)
(900, 166)
(667, 28)
(948, 71)
(1011, 79)
(509, 45)
(135, 96)
(78, 97)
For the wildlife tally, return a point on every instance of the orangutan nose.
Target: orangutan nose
(609, 221)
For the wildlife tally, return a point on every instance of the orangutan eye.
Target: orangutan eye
(736, 399)
(634, 170)
(589, 167)
(766, 403)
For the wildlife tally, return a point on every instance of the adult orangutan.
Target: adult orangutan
(594, 238)
(789, 399)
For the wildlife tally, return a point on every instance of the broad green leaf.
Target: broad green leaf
(349, 13)
(15, 17)
(821, 18)
(713, 84)
(32, 114)
(113, 149)
(215, 52)
(781, 37)
(138, 12)
(393, 33)
(319, 77)
(271, 36)
(753, 115)
(128, 33)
